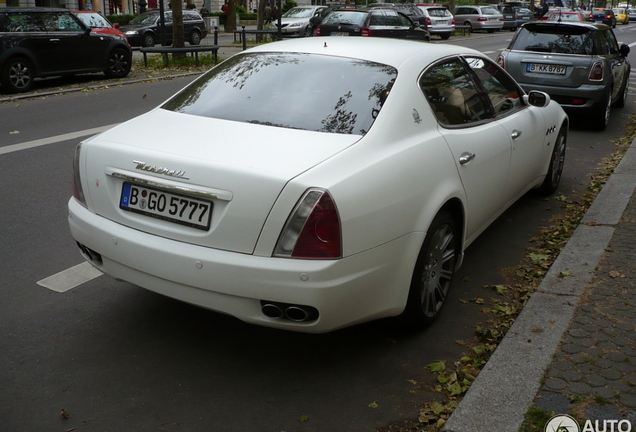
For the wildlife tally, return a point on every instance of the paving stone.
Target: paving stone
(610, 374)
(555, 384)
(596, 380)
(605, 392)
(628, 400)
(579, 388)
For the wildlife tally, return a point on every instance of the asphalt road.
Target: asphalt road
(109, 356)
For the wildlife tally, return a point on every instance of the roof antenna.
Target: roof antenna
(325, 46)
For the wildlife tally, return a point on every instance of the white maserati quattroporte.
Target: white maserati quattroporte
(317, 183)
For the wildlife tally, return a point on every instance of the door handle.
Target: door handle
(466, 157)
(515, 134)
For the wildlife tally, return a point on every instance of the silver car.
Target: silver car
(479, 18)
(580, 65)
(295, 22)
(438, 21)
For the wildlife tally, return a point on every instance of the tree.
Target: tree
(178, 40)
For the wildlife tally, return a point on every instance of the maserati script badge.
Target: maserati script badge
(143, 166)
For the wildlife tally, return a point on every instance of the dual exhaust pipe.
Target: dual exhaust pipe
(296, 313)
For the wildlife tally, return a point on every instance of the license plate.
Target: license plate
(157, 203)
(546, 69)
(339, 34)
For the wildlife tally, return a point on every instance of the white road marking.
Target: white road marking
(53, 139)
(70, 278)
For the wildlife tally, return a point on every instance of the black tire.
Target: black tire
(620, 102)
(557, 161)
(600, 113)
(17, 75)
(119, 63)
(490, 30)
(195, 37)
(148, 40)
(433, 273)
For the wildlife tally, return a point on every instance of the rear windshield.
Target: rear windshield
(489, 11)
(439, 12)
(291, 90)
(345, 18)
(554, 39)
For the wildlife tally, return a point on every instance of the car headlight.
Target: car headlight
(131, 32)
(296, 24)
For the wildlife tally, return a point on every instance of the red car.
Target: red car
(98, 23)
(566, 16)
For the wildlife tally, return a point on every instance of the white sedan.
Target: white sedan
(316, 183)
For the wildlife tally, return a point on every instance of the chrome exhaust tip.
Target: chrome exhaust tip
(296, 313)
(271, 310)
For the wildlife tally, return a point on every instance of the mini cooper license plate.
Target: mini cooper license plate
(546, 69)
(157, 203)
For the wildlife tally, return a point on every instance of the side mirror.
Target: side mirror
(116, 25)
(624, 50)
(537, 99)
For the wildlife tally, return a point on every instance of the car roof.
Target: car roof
(33, 9)
(556, 24)
(392, 52)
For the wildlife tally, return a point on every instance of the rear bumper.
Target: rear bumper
(363, 287)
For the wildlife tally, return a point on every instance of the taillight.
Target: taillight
(366, 31)
(596, 73)
(482, 19)
(78, 192)
(428, 21)
(501, 62)
(312, 230)
(453, 21)
(318, 31)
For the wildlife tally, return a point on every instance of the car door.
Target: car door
(480, 146)
(384, 23)
(617, 63)
(520, 122)
(31, 35)
(74, 48)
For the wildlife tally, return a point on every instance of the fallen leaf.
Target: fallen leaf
(373, 404)
(616, 274)
(15, 132)
(64, 414)
(303, 419)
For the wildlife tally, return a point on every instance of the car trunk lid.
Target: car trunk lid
(238, 169)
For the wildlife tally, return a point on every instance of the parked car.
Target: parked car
(632, 14)
(45, 42)
(296, 21)
(622, 17)
(523, 16)
(374, 22)
(479, 18)
(509, 16)
(414, 13)
(564, 15)
(345, 191)
(438, 21)
(580, 65)
(98, 23)
(602, 16)
(145, 29)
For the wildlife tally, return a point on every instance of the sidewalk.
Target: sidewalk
(572, 350)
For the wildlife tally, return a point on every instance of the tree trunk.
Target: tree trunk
(178, 40)
(230, 21)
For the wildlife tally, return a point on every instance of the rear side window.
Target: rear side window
(453, 95)
(61, 22)
(23, 22)
(557, 39)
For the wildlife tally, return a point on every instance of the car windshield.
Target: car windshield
(149, 18)
(561, 40)
(291, 90)
(345, 17)
(299, 13)
(439, 12)
(93, 20)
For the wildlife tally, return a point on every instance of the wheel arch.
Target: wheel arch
(20, 52)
